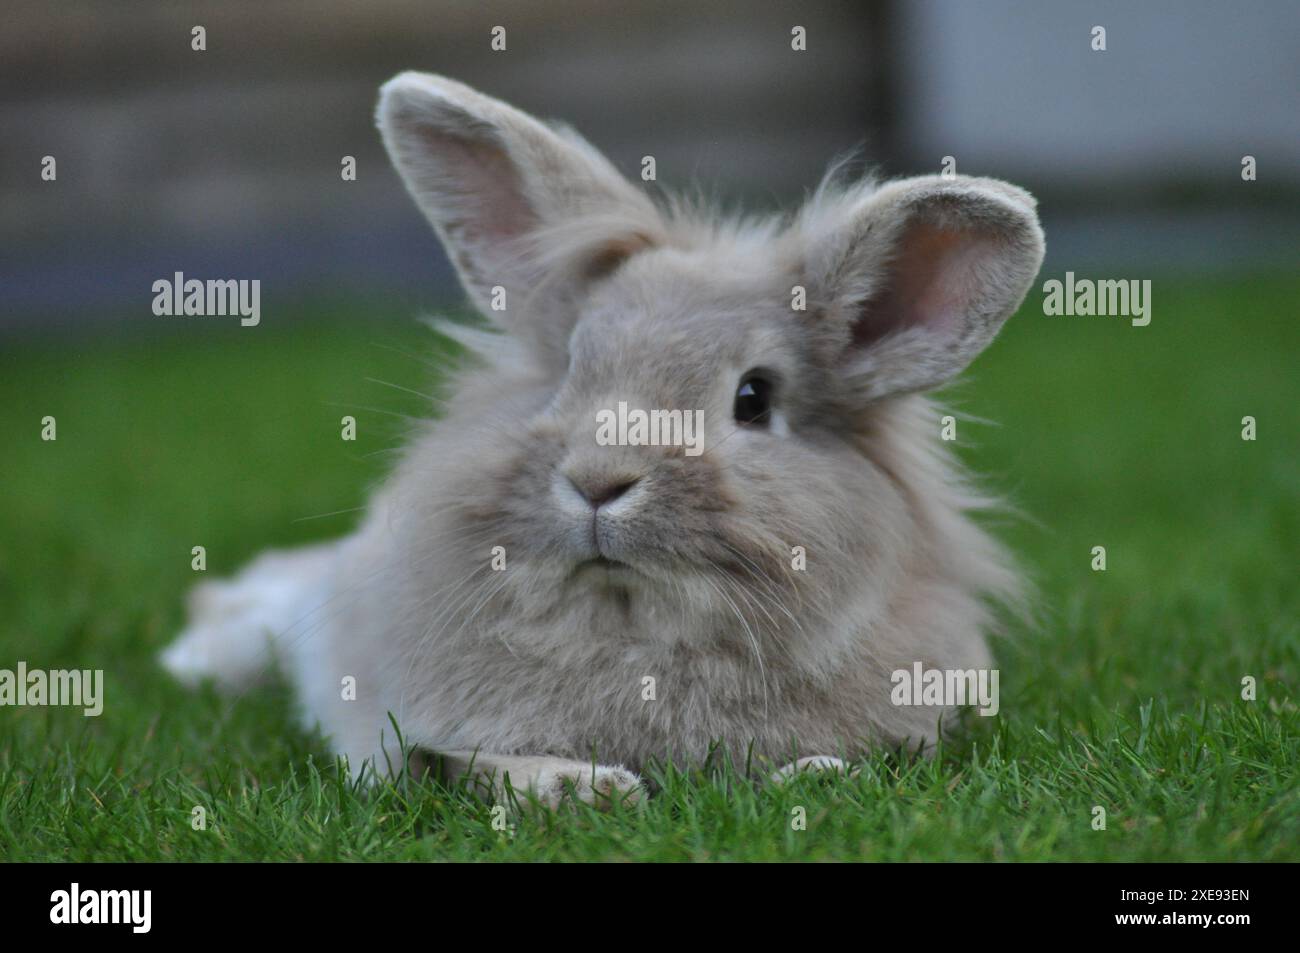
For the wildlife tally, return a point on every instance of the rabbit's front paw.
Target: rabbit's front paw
(540, 780)
(600, 786)
(820, 764)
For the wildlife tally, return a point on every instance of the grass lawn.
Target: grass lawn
(1127, 695)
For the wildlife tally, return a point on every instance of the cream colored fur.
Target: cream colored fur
(539, 671)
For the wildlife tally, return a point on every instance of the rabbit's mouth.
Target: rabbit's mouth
(605, 574)
(603, 562)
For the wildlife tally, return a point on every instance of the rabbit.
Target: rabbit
(528, 605)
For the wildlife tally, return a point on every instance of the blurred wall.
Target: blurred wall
(1183, 90)
(225, 163)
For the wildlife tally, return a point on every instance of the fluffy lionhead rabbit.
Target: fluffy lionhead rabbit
(526, 600)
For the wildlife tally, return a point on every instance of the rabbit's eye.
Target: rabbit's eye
(754, 400)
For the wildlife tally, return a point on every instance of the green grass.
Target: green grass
(1127, 695)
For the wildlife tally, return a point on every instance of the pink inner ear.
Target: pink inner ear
(481, 187)
(930, 283)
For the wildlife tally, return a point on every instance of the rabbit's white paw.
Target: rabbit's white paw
(818, 764)
(546, 781)
(600, 786)
(228, 638)
(234, 623)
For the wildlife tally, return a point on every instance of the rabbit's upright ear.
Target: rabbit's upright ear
(916, 278)
(503, 190)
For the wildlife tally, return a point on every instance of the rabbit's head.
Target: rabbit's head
(782, 355)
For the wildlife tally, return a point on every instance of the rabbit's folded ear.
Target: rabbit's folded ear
(917, 277)
(510, 197)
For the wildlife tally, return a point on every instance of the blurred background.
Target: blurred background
(174, 433)
(226, 162)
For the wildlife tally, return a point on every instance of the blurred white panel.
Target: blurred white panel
(1185, 87)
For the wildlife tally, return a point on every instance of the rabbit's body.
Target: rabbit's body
(521, 589)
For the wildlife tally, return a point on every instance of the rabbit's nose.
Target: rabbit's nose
(598, 490)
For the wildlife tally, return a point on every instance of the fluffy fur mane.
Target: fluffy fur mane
(530, 595)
